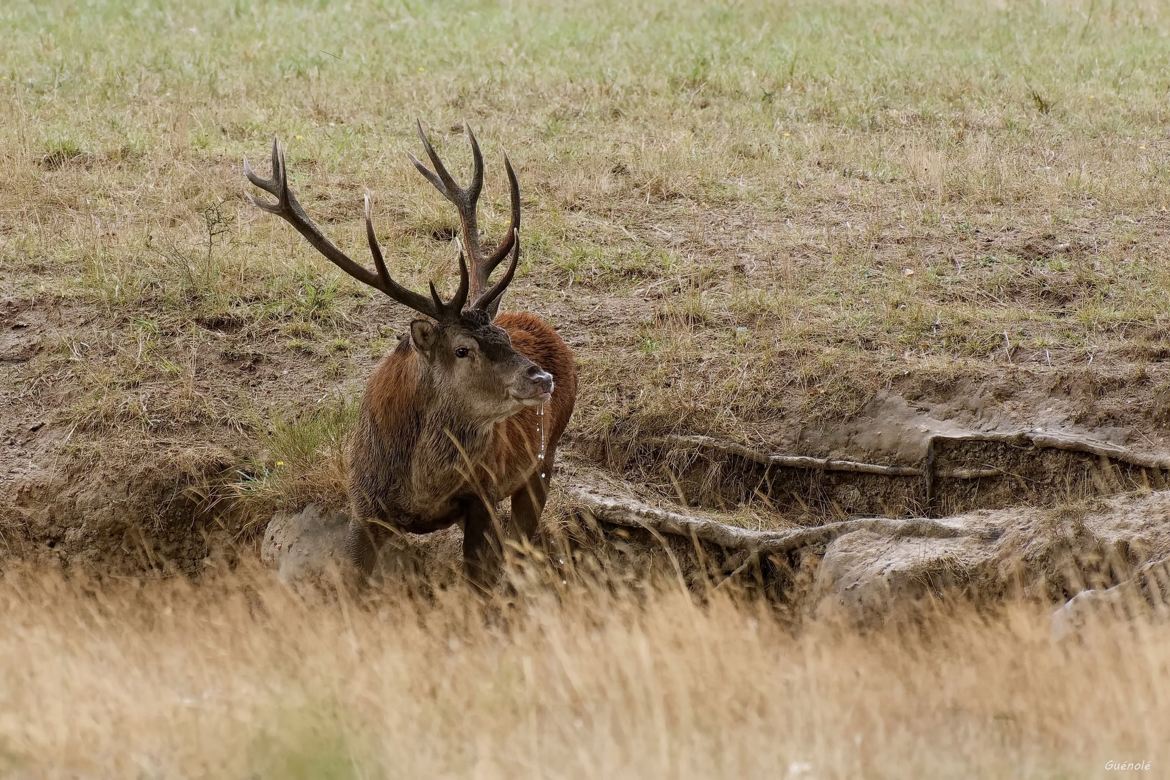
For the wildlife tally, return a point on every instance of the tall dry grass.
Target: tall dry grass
(239, 677)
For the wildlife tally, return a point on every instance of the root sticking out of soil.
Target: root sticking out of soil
(864, 567)
(959, 472)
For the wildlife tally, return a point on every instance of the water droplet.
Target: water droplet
(540, 430)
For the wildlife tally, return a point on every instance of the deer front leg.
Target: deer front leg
(527, 506)
(363, 541)
(481, 548)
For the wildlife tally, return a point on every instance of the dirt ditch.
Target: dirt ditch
(1034, 514)
(906, 498)
(866, 565)
(983, 513)
(958, 472)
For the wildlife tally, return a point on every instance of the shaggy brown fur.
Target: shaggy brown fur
(449, 423)
(420, 464)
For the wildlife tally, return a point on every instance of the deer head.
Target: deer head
(469, 361)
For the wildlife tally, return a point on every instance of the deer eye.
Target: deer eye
(462, 352)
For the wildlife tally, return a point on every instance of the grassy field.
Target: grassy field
(750, 216)
(238, 678)
(753, 220)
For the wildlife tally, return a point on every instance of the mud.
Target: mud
(154, 516)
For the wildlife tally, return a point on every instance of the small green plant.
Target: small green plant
(61, 152)
(198, 269)
(317, 299)
(303, 459)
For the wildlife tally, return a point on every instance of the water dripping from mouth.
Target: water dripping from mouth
(540, 429)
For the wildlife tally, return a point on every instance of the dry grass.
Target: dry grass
(747, 218)
(240, 678)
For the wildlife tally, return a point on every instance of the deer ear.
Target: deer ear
(422, 335)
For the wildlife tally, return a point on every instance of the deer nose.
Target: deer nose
(541, 378)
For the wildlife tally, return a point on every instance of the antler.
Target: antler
(490, 300)
(289, 209)
(465, 201)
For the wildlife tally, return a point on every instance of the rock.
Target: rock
(307, 544)
(865, 572)
(1147, 595)
(1115, 551)
(1070, 618)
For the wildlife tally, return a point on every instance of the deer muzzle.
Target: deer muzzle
(535, 386)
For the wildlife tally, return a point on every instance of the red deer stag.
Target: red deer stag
(468, 408)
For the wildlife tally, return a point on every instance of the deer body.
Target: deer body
(416, 460)
(469, 407)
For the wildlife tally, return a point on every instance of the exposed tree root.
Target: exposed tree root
(1070, 442)
(786, 461)
(626, 512)
(1038, 439)
(630, 513)
(935, 468)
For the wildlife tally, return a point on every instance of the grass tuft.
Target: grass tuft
(302, 459)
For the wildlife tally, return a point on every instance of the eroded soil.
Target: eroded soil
(145, 486)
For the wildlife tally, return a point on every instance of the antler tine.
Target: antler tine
(465, 201)
(375, 247)
(392, 288)
(505, 246)
(443, 182)
(490, 300)
(435, 181)
(473, 189)
(288, 208)
(441, 178)
(271, 186)
(454, 307)
(279, 170)
(460, 300)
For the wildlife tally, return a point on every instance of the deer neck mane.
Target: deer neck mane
(424, 440)
(445, 427)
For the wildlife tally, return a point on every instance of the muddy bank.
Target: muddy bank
(860, 567)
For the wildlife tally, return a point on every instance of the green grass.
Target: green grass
(749, 217)
(301, 459)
